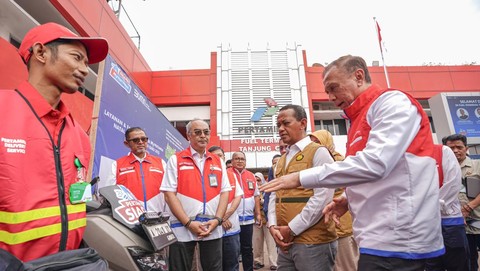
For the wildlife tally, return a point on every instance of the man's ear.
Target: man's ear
(359, 75)
(38, 52)
(303, 125)
(126, 144)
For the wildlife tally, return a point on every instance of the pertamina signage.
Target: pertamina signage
(265, 111)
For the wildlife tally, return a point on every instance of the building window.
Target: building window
(432, 125)
(181, 127)
(335, 126)
(14, 42)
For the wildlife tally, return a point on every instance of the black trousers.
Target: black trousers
(473, 240)
(181, 255)
(457, 253)
(246, 247)
(376, 263)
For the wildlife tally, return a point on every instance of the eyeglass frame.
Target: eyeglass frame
(137, 140)
(199, 132)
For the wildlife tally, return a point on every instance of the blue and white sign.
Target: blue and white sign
(123, 105)
(465, 114)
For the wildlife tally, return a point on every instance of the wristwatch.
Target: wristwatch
(220, 220)
(292, 233)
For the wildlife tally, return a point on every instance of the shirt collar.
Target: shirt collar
(41, 106)
(134, 158)
(196, 154)
(300, 145)
(466, 163)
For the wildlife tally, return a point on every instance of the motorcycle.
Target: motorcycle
(129, 238)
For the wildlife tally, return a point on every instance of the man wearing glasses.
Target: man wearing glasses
(139, 171)
(249, 209)
(196, 188)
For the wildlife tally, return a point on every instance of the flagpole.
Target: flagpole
(377, 27)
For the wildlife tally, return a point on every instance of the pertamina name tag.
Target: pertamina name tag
(80, 192)
(213, 180)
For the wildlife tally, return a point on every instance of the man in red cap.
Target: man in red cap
(43, 150)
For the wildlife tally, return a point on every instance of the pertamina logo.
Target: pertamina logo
(129, 208)
(265, 111)
(120, 77)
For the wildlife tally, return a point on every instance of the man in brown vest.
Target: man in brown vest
(295, 219)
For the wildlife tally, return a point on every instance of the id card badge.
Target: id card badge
(250, 185)
(212, 178)
(80, 192)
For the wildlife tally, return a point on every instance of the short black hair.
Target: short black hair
(131, 129)
(299, 111)
(214, 148)
(455, 137)
(53, 46)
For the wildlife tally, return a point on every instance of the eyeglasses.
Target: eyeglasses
(239, 159)
(199, 132)
(137, 139)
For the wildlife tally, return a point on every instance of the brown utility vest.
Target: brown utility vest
(290, 202)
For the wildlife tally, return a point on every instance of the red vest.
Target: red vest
(438, 155)
(248, 182)
(233, 184)
(360, 129)
(129, 174)
(192, 183)
(33, 180)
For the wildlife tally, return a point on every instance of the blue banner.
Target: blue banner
(123, 105)
(465, 114)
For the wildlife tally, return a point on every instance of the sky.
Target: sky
(181, 34)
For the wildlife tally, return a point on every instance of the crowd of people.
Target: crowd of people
(396, 201)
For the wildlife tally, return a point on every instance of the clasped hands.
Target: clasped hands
(203, 229)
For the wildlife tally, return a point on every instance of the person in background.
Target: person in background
(347, 251)
(470, 206)
(457, 255)
(389, 173)
(295, 216)
(196, 188)
(262, 236)
(271, 171)
(45, 152)
(282, 147)
(139, 171)
(231, 223)
(228, 163)
(249, 208)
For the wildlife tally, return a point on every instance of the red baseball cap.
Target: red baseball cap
(97, 48)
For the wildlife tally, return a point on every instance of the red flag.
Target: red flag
(379, 36)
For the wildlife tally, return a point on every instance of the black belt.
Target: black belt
(291, 200)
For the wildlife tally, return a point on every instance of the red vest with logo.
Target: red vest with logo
(192, 183)
(129, 175)
(36, 217)
(360, 129)
(248, 182)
